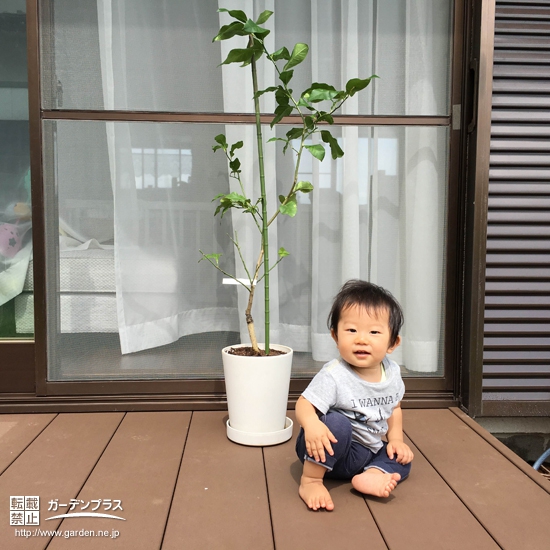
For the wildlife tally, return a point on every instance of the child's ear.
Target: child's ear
(334, 335)
(397, 342)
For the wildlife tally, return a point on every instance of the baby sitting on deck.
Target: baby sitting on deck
(354, 401)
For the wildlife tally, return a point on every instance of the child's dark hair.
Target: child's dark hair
(370, 296)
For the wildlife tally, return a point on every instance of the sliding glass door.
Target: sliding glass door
(132, 98)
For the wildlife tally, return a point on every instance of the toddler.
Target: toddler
(354, 401)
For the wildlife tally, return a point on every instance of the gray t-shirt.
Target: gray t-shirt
(337, 387)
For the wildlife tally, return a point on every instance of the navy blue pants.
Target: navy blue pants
(350, 458)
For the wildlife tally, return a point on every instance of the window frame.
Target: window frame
(421, 391)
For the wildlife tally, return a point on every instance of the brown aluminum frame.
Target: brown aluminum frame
(17, 367)
(477, 146)
(209, 394)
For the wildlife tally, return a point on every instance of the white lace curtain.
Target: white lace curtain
(377, 214)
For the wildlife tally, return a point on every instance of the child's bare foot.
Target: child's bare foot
(315, 494)
(375, 482)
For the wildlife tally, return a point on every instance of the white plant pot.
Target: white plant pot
(257, 397)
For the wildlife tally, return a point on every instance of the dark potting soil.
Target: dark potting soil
(248, 351)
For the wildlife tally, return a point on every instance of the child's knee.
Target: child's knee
(406, 470)
(403, 470)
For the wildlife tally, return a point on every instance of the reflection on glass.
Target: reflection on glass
(163, 168)
(16, 308)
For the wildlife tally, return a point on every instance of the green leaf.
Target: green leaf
(235, 197)
(282, 199)
(220, 138)
(281, 97)
(304, 187)
(302, 102)
(295, 133)
(251, 209)
(252, 28)
(264, 16)
(283, 53)
(244, 55)
(318, 151)
(280, 112)
(258, 52)
(228, 31)
(283, 252)
(276, 139)
(341, 95)
(215, 257)
(310, 122)
(216, 147)
(239, 55)
(321, 95)
(235, 146)
(320, 92)
(325, 117)
(319, 86)
(234, 200)
(290, 207)
(235, 164)
(299, 53)
(286, 76)
(335, 148)
(236, 14)
(260, 93)
(354, 85)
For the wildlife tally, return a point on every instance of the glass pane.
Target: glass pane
(158, 55)
(157, 181)
(16, 298)
(377, 214)
(128, 298)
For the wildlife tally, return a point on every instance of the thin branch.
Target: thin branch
(204, 257)
(290, 96)
(272, 268)
(238, 178)
(296, 173)
(237, 246)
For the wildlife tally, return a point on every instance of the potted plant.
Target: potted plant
(248, 366)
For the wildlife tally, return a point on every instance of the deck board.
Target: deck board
(55, 466)
(183, 484)
(511, 507)
(17, 431)
(349, 525)
(220, 499)
(427, 507)
(138, 468)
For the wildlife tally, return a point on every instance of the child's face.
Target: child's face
(363, 338)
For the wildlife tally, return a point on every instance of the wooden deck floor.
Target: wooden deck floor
(182, 485)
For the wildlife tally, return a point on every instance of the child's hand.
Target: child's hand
(318, 438)
(401, 450)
